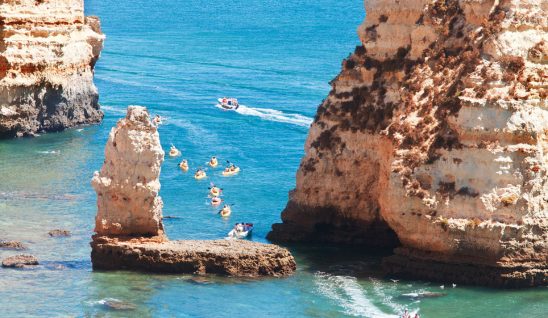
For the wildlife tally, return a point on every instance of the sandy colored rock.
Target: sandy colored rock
(435, 134)
(12, 245)
(223, 257)
(20, 261)
(48, 50)
(59, 233)
(127, 186)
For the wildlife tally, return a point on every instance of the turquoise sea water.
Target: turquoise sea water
(176, 58)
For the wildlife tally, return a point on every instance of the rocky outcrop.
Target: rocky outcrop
(221, 257)
(20, 261)
(130, 233)
(127, 186)
(48, 50)
(435, 134)
(59, 233)
(12, 245)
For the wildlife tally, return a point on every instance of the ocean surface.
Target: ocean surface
(177, 58)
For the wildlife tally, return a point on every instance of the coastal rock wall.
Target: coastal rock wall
(435, 133)
(48, 50)
(127, 186)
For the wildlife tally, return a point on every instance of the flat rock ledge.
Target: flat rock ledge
(412, 264)
(222, 257)
(20, 261)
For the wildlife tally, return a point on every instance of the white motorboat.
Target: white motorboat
(240, 231)
(228, 103)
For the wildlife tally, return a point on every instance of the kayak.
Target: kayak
(174, 152)
(184, 165)
(225, 212)
(213, 164)
(216, 201)
(231, 173)
(215, 191)
(200, 176)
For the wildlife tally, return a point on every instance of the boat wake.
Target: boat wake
(275, 115)
(348, 294)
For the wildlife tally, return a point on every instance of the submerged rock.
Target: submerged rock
(116, 304)
(12, 245)
(433, 139)
(48, 52)
(130, 233)
(59, 233)
(20, 261)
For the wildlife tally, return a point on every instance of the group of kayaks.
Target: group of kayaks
(200, 173)
(240, 230)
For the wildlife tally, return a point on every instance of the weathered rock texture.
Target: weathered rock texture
(222, 257)
(47, 53)
(20, 261)
(436, 131)
(129, 226)
(127, 186)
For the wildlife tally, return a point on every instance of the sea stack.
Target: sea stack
(127, 186)
(48, 50)
(130, 234)
(433, 141)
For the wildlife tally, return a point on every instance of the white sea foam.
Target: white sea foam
(275, 115)
(50, 152)
(113, 110)
(380, 291)
(348, 294)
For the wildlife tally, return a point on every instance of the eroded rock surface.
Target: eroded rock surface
(20, 261)
(12, 245)
(127, 186)
(48, 50)
(222, 257)
(59, 233)
(435, 133)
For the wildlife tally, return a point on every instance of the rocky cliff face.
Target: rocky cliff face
(127, 186)
(434, 138)
(47, 53)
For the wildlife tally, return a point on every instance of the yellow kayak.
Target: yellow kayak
(226, 211)
(184, 166)
(200, 176)
(213, 163)
(228, 173)
(215, 191)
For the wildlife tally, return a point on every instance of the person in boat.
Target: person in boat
(216, 201)
(224, 100)
(225, 210)
(213, 161)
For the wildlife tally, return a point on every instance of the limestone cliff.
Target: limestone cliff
(127, 186)
(434, 138)
(48, 50)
